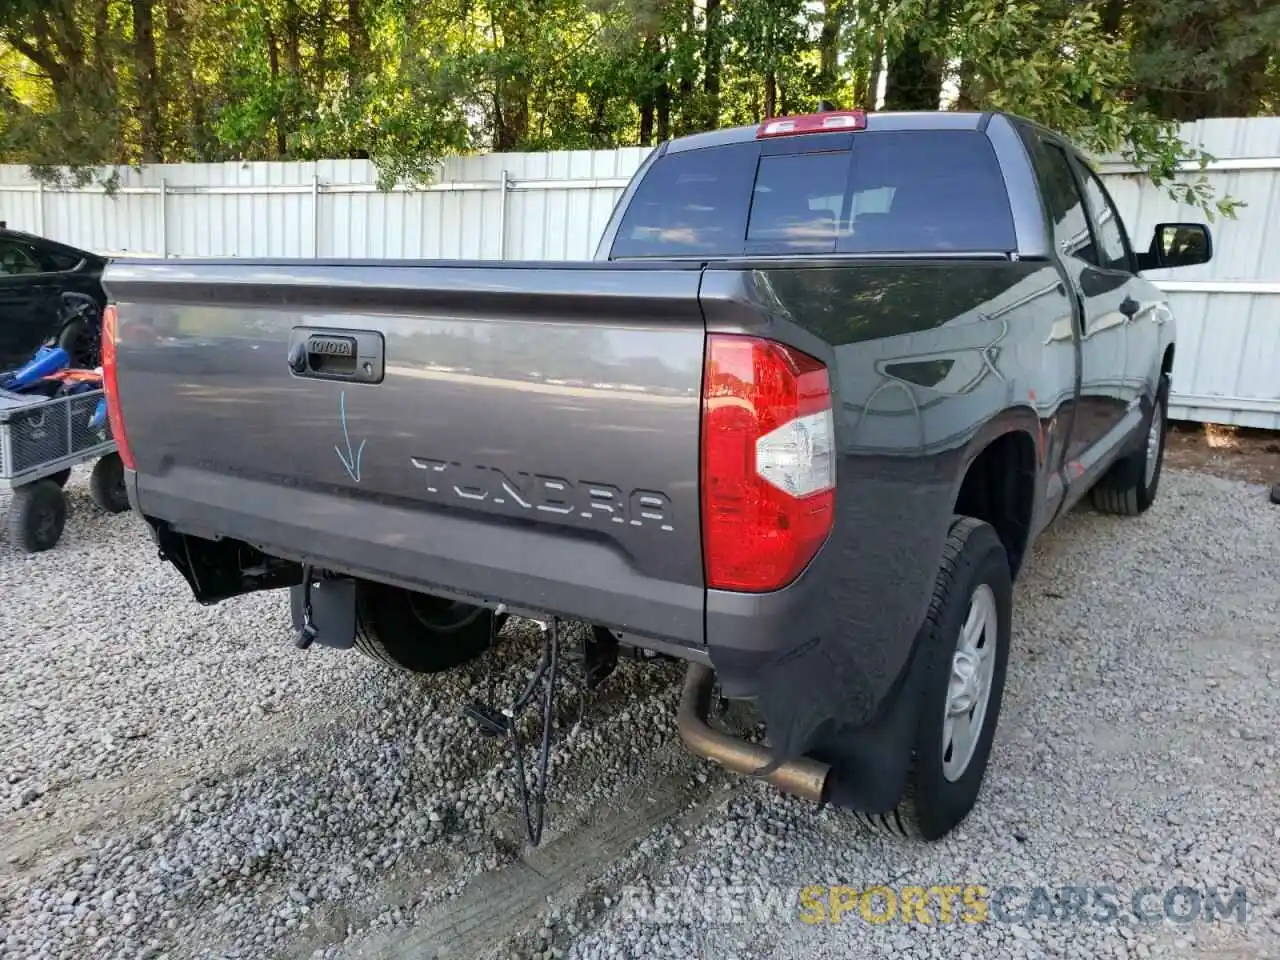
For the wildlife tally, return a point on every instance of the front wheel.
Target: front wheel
(964, 644)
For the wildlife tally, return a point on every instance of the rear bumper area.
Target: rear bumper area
(826, 698)
(523, 566)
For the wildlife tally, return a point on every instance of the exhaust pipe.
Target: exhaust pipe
(803, 777)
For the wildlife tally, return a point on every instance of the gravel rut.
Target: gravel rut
(178, 781)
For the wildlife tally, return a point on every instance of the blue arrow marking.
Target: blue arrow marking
(352, 460)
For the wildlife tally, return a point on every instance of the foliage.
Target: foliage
(86, 85)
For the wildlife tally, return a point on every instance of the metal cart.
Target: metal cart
(41, 439)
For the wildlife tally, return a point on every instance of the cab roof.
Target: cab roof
(891, 120)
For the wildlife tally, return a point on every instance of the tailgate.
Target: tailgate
(525, 433)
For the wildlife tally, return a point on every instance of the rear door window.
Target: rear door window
(1062, 197)
(893, 192)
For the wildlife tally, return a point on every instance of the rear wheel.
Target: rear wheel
(965, 646)
(416, 631)
(106, 484)
(81, 331)
(1129, 487)
(37, 515)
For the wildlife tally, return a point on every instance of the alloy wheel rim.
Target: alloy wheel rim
(1154, 436)
(969, 688)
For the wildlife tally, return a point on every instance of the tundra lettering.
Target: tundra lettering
(555, 495)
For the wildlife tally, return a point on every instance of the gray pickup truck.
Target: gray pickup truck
(797, 424)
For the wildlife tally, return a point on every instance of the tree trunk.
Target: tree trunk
(103, 75)
(177, 66)
(664, 112)
(291, 102)
(599, 107)
(770, 94)
(711, 55)
(829, 49)
(273, 63)
(1111, 16)
(646, 122)
(357, 43)
(149, 96)
(688, 122)
(968, 95)
(513, 91)
(513, 84)
(322, 35)
(915, 81)
(875, 75)
(293, 40)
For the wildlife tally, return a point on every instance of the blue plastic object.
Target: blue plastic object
(46, 361)
(99, 415)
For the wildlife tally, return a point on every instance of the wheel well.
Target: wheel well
(1166, 365)
(999, 488)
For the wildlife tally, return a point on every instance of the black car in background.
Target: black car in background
(48, 291)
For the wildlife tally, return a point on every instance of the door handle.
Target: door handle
(330, 354)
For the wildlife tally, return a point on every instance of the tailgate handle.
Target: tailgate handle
(323, 353)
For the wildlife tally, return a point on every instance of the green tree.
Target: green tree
(86, 84)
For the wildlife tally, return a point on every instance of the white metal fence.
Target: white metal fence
(554, 206)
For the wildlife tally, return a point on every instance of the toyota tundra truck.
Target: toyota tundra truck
(798, 424)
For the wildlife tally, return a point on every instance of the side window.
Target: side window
(63, 261)
(1062, 197)
(1113, 244)
(17, 258)
(797, 202)
(691, 203)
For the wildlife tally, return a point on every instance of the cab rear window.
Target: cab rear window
(927, 191)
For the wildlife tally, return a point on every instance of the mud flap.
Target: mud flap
(333, 610)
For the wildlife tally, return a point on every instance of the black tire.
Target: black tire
(37, 516)
(933, 804)
(1275, 493)
(61, 477)
(80, 334)
(1126, 490)
(106, 485)
(418, 632)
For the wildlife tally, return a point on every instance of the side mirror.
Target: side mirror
(1177, 245)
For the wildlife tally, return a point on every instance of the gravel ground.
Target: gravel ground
(178, 781)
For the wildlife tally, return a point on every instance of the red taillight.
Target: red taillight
(110, 387)
(768, 462)
(830, 121)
